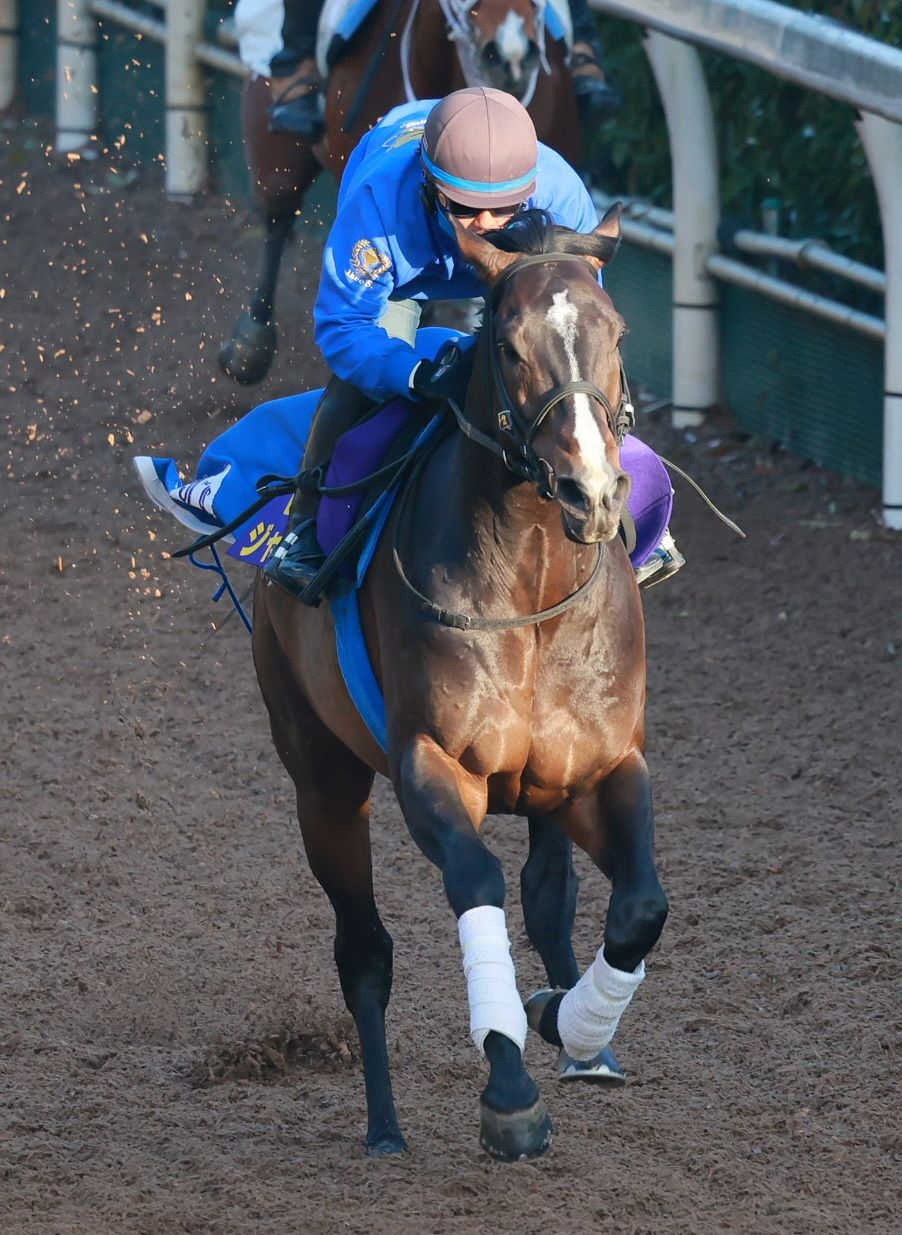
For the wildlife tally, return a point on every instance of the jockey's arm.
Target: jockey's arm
(357, 281)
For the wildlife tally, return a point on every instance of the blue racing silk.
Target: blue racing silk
(386, 244)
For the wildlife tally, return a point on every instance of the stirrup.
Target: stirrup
(296, 560)
(665, 561)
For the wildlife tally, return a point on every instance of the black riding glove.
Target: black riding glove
(446, 377)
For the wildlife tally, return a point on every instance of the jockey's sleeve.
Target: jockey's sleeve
(358, 277)
(562, 193)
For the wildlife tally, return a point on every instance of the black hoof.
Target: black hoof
(518, 1134)
(246, 357)
(384, 1146)
(541, 1013)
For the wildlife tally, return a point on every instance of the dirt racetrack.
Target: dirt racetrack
(174, 1052)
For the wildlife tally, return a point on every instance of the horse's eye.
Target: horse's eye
(508, 351)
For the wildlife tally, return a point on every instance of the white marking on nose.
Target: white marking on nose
(563, 318)
(512, 43)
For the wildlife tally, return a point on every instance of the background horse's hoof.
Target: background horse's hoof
(519, 1134)
(246, 357)
(603, 1068)
(384, 1146)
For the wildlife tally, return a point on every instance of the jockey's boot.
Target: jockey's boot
(594, 93)
(297, 103)
(297, 559)
(665, 561)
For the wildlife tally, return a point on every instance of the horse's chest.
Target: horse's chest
(532, 710)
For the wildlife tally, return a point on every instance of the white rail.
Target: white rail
(812, 51)
(9, 50)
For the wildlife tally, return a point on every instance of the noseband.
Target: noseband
(520, 456)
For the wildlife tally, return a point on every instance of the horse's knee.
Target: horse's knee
(633, 926)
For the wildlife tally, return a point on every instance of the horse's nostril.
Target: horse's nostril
(572, 494)
(618, 493)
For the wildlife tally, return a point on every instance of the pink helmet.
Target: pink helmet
(479, 148)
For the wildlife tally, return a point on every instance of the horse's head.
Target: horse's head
(506, 45)
(552, 346)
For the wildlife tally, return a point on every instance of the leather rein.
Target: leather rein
(519, 457)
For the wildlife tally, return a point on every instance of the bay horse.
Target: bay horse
(400, 52)
(504, 624)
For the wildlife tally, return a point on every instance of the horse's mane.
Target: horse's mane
(534, 231)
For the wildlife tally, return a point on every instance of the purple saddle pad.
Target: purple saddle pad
(359, 452)
(362, 449)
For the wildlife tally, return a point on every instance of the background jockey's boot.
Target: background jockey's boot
(594, 93)
(665, 561)
(297, 103)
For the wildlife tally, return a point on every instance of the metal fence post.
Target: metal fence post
(9, 48)
(696, 212)
(882, 141)
(76, 75)
(186, 113)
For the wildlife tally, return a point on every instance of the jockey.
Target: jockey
(297, 103)
(473, 155)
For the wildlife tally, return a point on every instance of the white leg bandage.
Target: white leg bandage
(491, 984)
(591, 1010)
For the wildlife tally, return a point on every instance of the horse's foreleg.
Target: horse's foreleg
(548, 889)
(282, 168)
(333, 790)
(616, 829)
(443, 806)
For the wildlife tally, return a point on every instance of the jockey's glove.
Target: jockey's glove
(446, 377)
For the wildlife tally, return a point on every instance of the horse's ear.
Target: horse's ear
(609, 230)
(488, 262)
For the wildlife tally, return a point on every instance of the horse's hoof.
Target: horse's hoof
(541, 1013)
(385, 1145)
(246, 357)
(518, 1134)
(603, 1068)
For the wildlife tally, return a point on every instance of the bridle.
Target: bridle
(518, 452)
(522, 459)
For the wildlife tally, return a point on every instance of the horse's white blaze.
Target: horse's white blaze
(563, 318)
(512, 43)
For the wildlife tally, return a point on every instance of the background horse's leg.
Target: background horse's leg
(333, 791)
(615, 827)
(443, 805)
(548, 888)
(282, 168)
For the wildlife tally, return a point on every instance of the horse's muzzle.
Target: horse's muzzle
(592, 517)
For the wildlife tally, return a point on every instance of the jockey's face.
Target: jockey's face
(476, 220)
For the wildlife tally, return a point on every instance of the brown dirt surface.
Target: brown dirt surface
(175, 1055)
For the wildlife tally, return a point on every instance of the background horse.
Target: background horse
(400, 52)
(530, 702)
